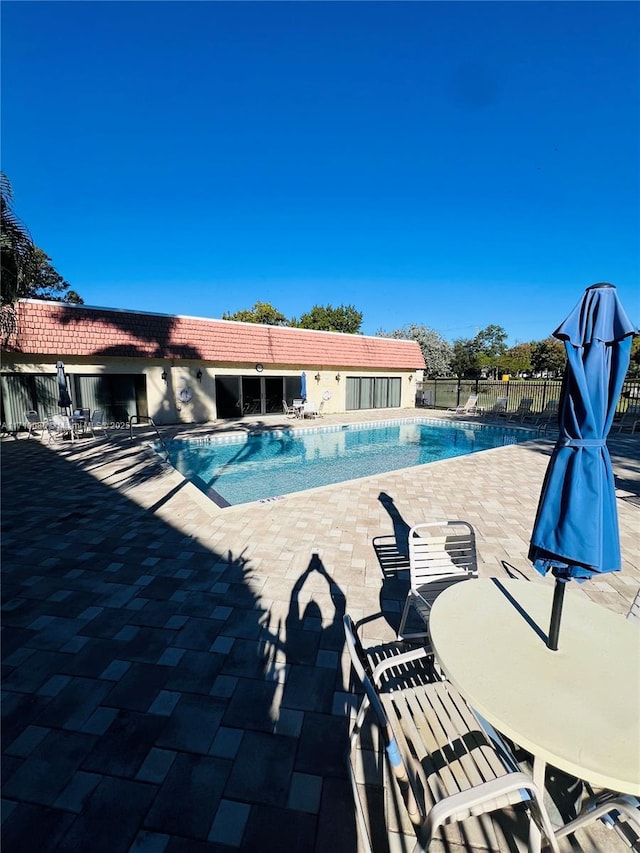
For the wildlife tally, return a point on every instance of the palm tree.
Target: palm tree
(17, 249)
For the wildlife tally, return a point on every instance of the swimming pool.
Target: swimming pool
(266, 465)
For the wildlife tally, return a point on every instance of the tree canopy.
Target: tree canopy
(548, 356)
(437, 352)
(27, 271)
(344, 318)
(326, 318)
(262, 312)
(16, 247)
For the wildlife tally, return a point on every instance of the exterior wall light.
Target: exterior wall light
(317, 377)
(337, 377)
(410, 377)
(164, 375)
(199, 376)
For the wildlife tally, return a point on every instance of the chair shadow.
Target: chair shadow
(392, 552)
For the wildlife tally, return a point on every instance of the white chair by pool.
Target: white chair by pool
(288, 410)
(498, 408)
(440, 553)
(443, 763)
(469, 408)
(34, 422)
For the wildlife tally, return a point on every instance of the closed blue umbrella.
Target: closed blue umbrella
(303, 385)
(64, 400)
(575, 534)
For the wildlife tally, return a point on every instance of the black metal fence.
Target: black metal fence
(447, 393)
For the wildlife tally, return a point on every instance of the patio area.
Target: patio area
(174, 676)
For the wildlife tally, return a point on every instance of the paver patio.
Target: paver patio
(174, 677)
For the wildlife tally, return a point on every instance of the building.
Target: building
(192, 370)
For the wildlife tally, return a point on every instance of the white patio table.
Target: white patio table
(577, 708)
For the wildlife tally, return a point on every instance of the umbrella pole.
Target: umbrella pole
(556, 614)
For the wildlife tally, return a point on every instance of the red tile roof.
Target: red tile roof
(56, 329)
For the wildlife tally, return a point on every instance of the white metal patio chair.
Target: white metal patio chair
(440, 553)
(58, 426)
(446, 765)
(97, 422)
(34, 422)
(288, 410)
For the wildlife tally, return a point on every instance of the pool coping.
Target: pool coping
(211, 500)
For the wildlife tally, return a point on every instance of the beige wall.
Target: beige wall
(183, 398)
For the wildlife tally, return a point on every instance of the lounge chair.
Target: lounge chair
(630, 419)
(447, 765)
(469, 408)
(441, 553)
(544, 418)
(34, 422)
(524, 409)
(498, 408)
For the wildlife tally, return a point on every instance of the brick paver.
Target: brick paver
(174, 675)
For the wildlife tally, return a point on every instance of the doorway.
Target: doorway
(239, 396)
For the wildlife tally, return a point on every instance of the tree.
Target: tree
(344, 319)
(16, 247)
(436, 351)
(465, 358)
(517, 360)
(634, 363)
(548, 356)
(491, 341)
(262, 312)
(490, 346)
(47, 283)
(27, 271)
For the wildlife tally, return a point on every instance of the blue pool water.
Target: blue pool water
(266, 465)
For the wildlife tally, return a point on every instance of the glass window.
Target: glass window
(368, 392)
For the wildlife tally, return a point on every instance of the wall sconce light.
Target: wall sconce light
(199, 376)
(164, 375)
(317, 377)
(410, 377)
(337, 377)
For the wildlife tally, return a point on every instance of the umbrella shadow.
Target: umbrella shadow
(516, 604)
(513, 572)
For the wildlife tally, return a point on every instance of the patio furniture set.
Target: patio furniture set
(452, 702)
(302, 409)
(81, 423)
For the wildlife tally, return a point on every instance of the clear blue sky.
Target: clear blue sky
(451, 164)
